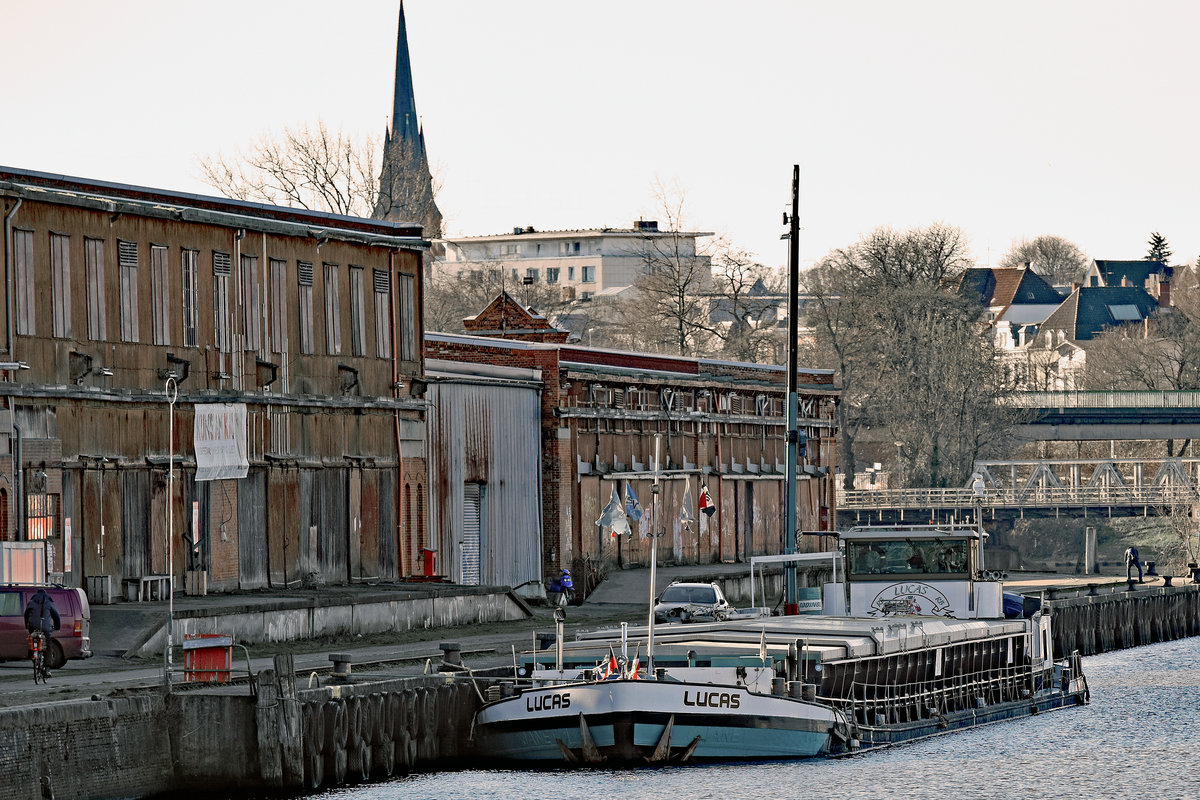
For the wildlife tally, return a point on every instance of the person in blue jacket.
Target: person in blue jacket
(1131, 561)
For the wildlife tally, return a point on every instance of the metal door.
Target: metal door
(469, 546)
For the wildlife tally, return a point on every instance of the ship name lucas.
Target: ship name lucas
(548, 702)
(712, 699)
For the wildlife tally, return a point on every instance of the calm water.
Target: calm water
(1139, 738)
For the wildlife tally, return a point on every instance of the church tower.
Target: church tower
(405, 183)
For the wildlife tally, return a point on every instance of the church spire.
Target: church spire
(404, 105)
(405, 183)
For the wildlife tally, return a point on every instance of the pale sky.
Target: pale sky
(1012, 119)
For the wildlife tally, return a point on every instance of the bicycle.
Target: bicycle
(37, 653)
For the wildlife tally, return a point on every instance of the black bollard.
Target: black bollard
(1150, 569)
(1166, 580)
(341, 667)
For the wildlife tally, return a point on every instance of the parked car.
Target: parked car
(71, 640)
(683, 602)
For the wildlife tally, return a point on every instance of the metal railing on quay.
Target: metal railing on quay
(1036, 497)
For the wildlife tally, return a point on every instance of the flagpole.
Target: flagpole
(653, 555)
(792, 445)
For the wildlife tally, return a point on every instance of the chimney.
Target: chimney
(1124, 281)
(1164, 294)
(1074, 286)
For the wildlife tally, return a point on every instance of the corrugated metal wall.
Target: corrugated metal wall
(487, 434)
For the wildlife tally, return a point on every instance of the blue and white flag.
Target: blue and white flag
(613, 516)
(633, 508)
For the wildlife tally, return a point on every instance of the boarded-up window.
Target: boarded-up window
(305, 270)
(251, 304)
(127, 263)
(60, 283)
(383, 314)
(357, 315)
(188, 261)
(160, 308)
(22, 246)
(407, 314)
(278, 305)
(333, 312)
(93, 267)
(221, 325)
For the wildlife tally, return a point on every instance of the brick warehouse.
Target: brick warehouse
(723, 425)
(311, 320)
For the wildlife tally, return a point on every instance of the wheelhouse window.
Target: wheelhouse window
(908, 557)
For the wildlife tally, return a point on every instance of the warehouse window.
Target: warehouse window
(333, 312)
(383, 314)
(188, 261)
(251, 304)
(93, 267)
(407, 313)
(278, 305)
(160, 308)
(357, 313)
(60, 283)
(127, 263)
(22, 246)
(222, 267)
(305, 269)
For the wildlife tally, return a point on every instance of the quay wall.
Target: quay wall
(291, 619)
(1098, 623)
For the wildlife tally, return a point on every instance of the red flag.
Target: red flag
(611, 667)
(706, 503)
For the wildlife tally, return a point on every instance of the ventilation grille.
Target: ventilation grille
(221, 263)
(127, 253)
(383, 281)
(306, 272)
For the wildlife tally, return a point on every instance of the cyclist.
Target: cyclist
(41, 615)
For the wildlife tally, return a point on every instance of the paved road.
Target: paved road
(622, 597)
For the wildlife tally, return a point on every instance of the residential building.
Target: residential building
(134, 313)
(722, 426)
(1153, 276)
(584, 262)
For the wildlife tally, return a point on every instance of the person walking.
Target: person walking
(1131, 561)
(42, 615)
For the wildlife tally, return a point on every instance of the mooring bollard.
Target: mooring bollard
(1150, 569)
(1092, 589)
(451, 655)
(1132, 586)
(1167, 581)
(341, 667)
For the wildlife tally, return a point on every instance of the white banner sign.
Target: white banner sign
(219, 436)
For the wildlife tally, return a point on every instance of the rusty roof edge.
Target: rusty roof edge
(185, 213)
(249, 398)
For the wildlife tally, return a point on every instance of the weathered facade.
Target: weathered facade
(310, 320)
(723, 429)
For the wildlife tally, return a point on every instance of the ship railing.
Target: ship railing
(879, 704)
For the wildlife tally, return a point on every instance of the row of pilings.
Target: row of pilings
(1095, 624)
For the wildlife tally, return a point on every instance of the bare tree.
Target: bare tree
(667, 310)
(304, 167)
(452, 296)
(745, 305)
(1059, 260)
(908, 352)
(315, 168)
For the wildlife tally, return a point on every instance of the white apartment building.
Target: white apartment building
(585, 263)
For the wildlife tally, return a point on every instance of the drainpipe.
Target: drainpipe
(396, 393)
(18, 475)
(8, 279)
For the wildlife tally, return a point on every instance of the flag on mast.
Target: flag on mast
(706, 503)
(633, 506)
(613, 516)
(685, 510)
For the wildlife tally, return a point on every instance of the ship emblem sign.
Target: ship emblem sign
(911, 598)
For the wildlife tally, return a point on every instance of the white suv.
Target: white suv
(683, 602)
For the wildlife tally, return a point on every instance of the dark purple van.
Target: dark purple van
(72, 640)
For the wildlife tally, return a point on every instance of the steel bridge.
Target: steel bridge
(1091, 416)
(1122, 486)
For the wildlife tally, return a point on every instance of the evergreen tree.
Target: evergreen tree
(1159, 250)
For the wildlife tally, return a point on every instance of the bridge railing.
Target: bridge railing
(1037, 497)
(1147, 399)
